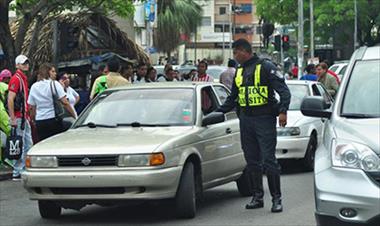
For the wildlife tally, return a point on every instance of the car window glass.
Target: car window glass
(146, 106)
(316, 91)
(324, 93)
(298, 93)
(362, 95)
(343, 70)
(334, 68)
(208, 101)
(222, 93)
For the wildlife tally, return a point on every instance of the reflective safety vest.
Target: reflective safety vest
(257, 95)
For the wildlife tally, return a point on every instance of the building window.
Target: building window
(219, 28)
(222, 10)
(259, 30)
(206, 21)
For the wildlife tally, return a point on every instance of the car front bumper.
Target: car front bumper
(102, 183)
(291, 147)
(339, 188)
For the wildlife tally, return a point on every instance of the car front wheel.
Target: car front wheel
(185, 200)
(308, 160)
(49, 209)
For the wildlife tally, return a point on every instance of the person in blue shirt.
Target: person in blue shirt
(310, 73)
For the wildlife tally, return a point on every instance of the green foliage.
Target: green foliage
(175, 18)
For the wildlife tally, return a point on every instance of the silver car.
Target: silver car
(141, 142)
(347, 163)
(300, 138)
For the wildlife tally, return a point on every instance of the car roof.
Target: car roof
(367, 53)
(163, 85)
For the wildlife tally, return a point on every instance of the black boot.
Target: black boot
(258, 191)
(275, 191)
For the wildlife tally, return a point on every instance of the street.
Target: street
(221, 206)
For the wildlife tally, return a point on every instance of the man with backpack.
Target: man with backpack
(112, 79)
(18, 109)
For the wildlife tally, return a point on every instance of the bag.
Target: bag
(13, 150)
(19, 101)
(58, 108)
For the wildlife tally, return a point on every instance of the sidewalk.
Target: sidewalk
(5, 172)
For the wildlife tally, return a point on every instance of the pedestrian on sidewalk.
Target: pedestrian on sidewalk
(327, 80)
(227, 77)
(202, 76)
(310, 73)
(41, 102)
(18, 109)
(142, 70)
(253, 88)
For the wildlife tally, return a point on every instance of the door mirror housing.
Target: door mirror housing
(316, 107)
(213, 118)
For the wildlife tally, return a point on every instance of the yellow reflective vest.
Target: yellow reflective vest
(257, 94)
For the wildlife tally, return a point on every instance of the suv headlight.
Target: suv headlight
(41, 161)
(154, 159)
(288, 131)
(354, 155)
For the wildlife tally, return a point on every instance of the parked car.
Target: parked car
(142, 142)
(347, 163)
(300, 138)
(339, 69)
(215, 71)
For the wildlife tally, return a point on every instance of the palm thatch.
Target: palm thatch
(97, 35)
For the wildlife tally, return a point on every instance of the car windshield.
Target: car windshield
(362, 97)
(141, 107)
(298, 93)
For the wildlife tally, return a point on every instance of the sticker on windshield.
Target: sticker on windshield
(186, 115)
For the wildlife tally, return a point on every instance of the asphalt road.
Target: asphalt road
(221, 206)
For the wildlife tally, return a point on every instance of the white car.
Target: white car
(339, 69)
(299, 139)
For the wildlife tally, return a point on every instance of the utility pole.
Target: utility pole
(300, 38)
(282, 49)
(311, 29)
(356, 25)
(223, 41)
(230, 21)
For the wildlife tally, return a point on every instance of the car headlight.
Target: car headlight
(288, 131)
(354, 155)
(41, 162)
(154, 159)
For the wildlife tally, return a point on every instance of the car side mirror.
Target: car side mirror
(213, 118)
(316, 106)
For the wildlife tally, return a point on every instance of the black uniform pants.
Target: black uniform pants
(48, 127)
(259, 139)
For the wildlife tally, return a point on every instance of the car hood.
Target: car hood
(108, 140)
(364, 131)
(293, 118)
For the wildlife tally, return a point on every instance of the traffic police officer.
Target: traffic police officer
(253, 94)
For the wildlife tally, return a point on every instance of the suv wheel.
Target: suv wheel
(185, 200)
(244, 184)
(308, 160)
(49, 209)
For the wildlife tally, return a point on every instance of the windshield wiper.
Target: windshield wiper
(358, 115)
(138, 124)
(93, 125)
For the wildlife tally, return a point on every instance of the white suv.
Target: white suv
(347, 163)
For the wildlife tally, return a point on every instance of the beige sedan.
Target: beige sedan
(142, 142)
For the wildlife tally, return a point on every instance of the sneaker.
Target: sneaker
(16, 178)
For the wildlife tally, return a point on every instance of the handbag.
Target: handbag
(58, 108)
(13, 150)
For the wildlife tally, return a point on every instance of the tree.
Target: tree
(175, 18)
(33, 11)
(329, 16)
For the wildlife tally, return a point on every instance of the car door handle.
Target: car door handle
(228, 130)
(323, 120)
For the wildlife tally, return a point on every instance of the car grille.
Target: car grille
(87, 191)
(375, 176)
(86, 161)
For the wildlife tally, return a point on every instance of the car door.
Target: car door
(237, 160)
(216, 145)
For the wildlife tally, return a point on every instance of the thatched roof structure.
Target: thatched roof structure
(97, 34)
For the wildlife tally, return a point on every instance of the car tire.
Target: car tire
(49, 209)
(244, 184)
(308, 160)
(185, 200)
